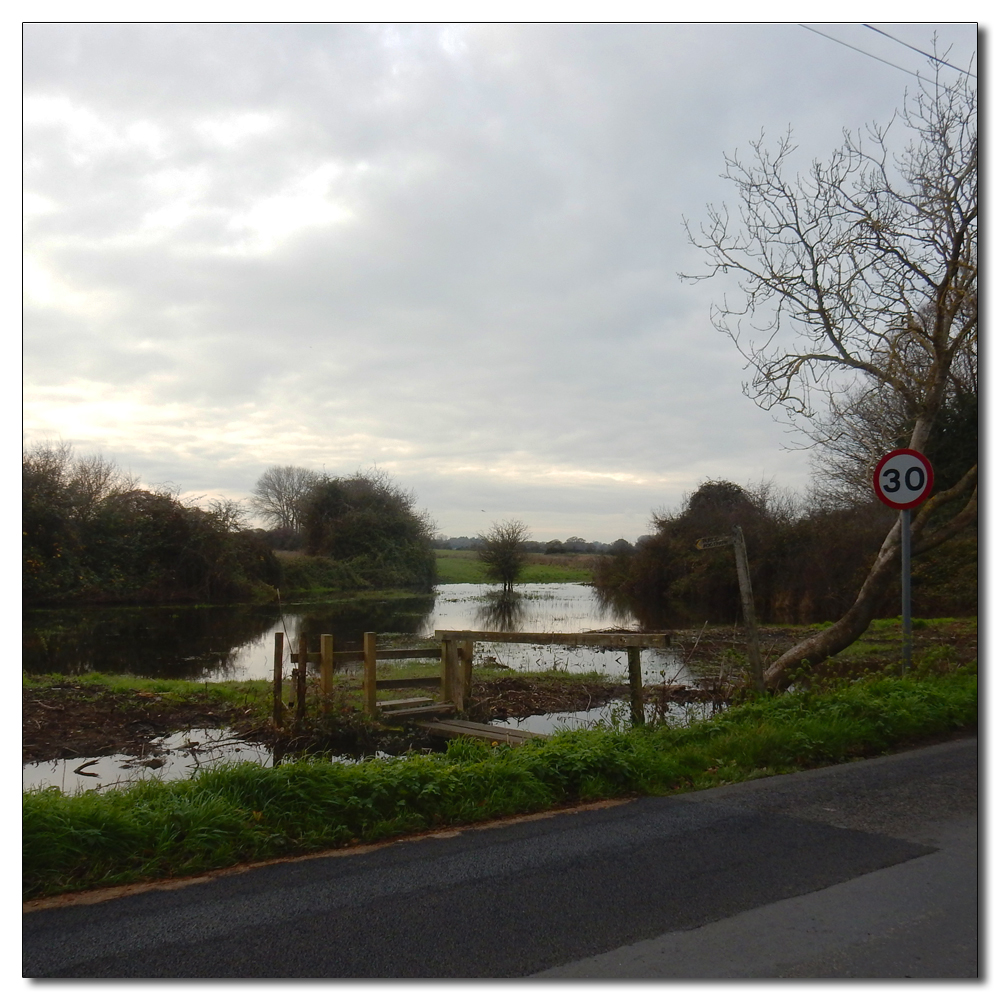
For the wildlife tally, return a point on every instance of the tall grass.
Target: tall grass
(248, 812)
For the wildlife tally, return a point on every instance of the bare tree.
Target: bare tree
(859, 281)
(501, 549)
(86, 481)
(279, 493)
(858, 428)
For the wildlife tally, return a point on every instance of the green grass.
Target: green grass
(247, 812)
(235, 691)
(463, 566)
(257, 695)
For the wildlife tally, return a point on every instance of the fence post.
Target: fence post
(300, 687)
(455, 680)
(635, 685)
(749, 615)
(368, 686)
(465, 660)
(447, 684)
(326, 669)
(279, 638)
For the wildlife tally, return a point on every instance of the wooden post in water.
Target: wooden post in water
(749, 615)
(368, 686)
(465, 667)
(326, 669)
(635, 685)
(279, 639)
(300, 687)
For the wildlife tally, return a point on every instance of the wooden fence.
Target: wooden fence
(456, 654)
(455, 679)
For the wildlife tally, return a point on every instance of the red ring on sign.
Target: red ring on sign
(924, 493)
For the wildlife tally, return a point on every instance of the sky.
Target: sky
(448, 251)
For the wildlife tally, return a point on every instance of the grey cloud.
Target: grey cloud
(504, 283)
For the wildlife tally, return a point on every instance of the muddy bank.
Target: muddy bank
(82, 720)
(78, 720)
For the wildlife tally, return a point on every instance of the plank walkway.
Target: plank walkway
(480, 731)
(436, 708)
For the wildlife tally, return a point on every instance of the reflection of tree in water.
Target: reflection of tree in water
(501, 611)
(196, 642)
(651, 615)
(165, 641)
(348, 620)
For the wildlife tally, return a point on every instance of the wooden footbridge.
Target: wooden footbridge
(454, 681)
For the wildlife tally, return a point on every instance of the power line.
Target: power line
(862, 51)
(921, 51)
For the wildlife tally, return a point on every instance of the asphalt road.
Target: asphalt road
(864, 870)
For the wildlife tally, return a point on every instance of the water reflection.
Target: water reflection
(615, 715)
(237, 641)
(501, 611)
(178, 641)
(232, 642)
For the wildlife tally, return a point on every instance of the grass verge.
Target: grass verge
(246, 812)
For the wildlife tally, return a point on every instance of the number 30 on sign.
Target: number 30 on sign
(903, 478)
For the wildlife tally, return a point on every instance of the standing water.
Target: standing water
(236, 642)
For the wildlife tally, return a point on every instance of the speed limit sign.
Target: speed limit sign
(903, 478)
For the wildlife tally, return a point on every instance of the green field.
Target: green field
(463, 566)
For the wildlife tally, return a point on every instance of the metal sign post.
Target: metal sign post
(904, 551)
(903, 479)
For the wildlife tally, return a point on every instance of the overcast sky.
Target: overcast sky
(448, 251)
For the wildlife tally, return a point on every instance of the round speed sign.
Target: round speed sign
(903, 478)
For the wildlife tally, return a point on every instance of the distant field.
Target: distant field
(463, 566)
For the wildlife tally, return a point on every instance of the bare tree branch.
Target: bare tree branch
(862, 278)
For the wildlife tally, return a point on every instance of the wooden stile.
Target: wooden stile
(455, 678)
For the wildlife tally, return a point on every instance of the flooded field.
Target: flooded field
(235, 642)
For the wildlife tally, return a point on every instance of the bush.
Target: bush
(90, 534)
(804, 567)
(369, 523)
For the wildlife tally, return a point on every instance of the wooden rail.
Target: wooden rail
(456, 656)
(608, 640)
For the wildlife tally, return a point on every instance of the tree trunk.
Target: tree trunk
(852, 625)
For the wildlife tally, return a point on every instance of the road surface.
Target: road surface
(863, 870)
